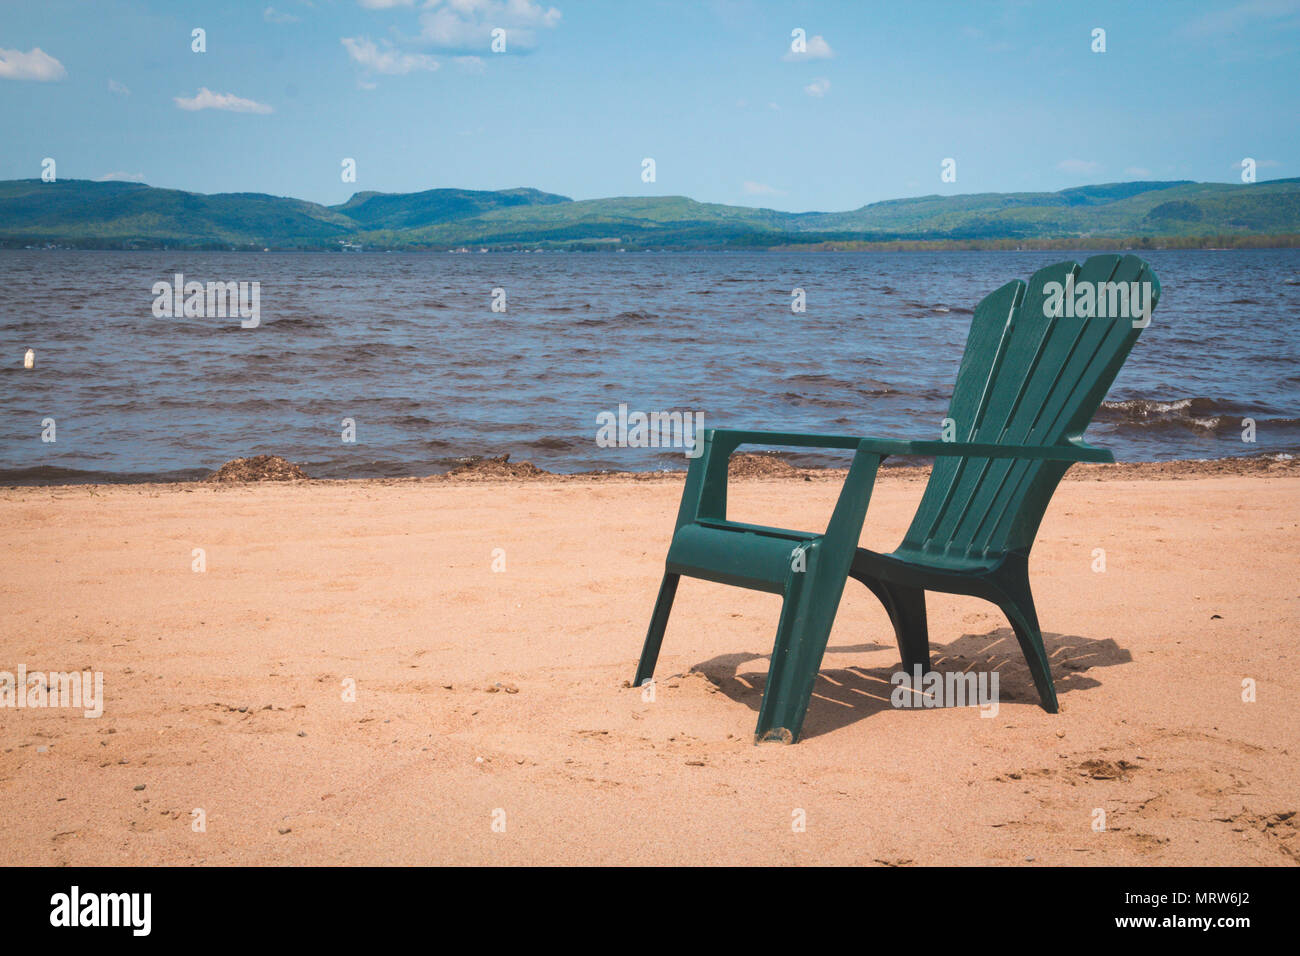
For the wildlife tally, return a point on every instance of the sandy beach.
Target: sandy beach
(493, 721)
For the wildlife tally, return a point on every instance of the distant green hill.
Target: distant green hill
(119, 215)
(84, 213)
(1121, 209)
(398, 211)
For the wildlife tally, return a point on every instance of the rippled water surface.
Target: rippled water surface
(408, 347)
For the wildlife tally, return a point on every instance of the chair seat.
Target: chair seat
(731, 552)
(917, 568)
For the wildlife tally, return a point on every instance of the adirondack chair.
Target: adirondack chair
(1028, 384)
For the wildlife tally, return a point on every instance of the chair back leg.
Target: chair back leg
(906, 608)
(1018, 606)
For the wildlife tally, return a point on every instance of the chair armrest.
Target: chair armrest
(705, 494)
(1076, 450)
(734, 438)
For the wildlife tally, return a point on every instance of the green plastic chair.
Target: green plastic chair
(1028, 385)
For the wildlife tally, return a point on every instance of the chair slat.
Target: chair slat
(1026, 378)
(1099, 347)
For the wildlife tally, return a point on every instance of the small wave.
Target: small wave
(796, 399)
(622, 318)
(552, 443)
(53, 475)
(1198, 414)
(289, 324)
(380, 350)
(1201, 414)
(1141, 409)
(818, 378)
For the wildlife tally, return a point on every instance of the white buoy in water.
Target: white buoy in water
(29, 360)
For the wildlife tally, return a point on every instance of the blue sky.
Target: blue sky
(586, 90)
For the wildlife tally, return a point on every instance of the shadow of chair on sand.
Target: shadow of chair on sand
(845, 695)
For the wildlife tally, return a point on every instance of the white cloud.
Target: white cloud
(1078, 167)
(1230, 20)
(470, 64)
(468, 24)
(388, 60)
(1139, 172)
(978, 37)
(385, 4)
(35, 64)
(761, 189)
(205, 99)
(818, 87)
(117, 177)
(121, 89)
(272, 15)
(817, 49)
(1259, 164)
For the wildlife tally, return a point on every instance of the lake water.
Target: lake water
(408, 347)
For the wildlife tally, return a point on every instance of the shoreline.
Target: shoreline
(754, 465)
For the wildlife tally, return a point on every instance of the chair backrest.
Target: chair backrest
(1038, 362)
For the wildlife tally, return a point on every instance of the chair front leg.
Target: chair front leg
(812, 597)
(658, 624)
